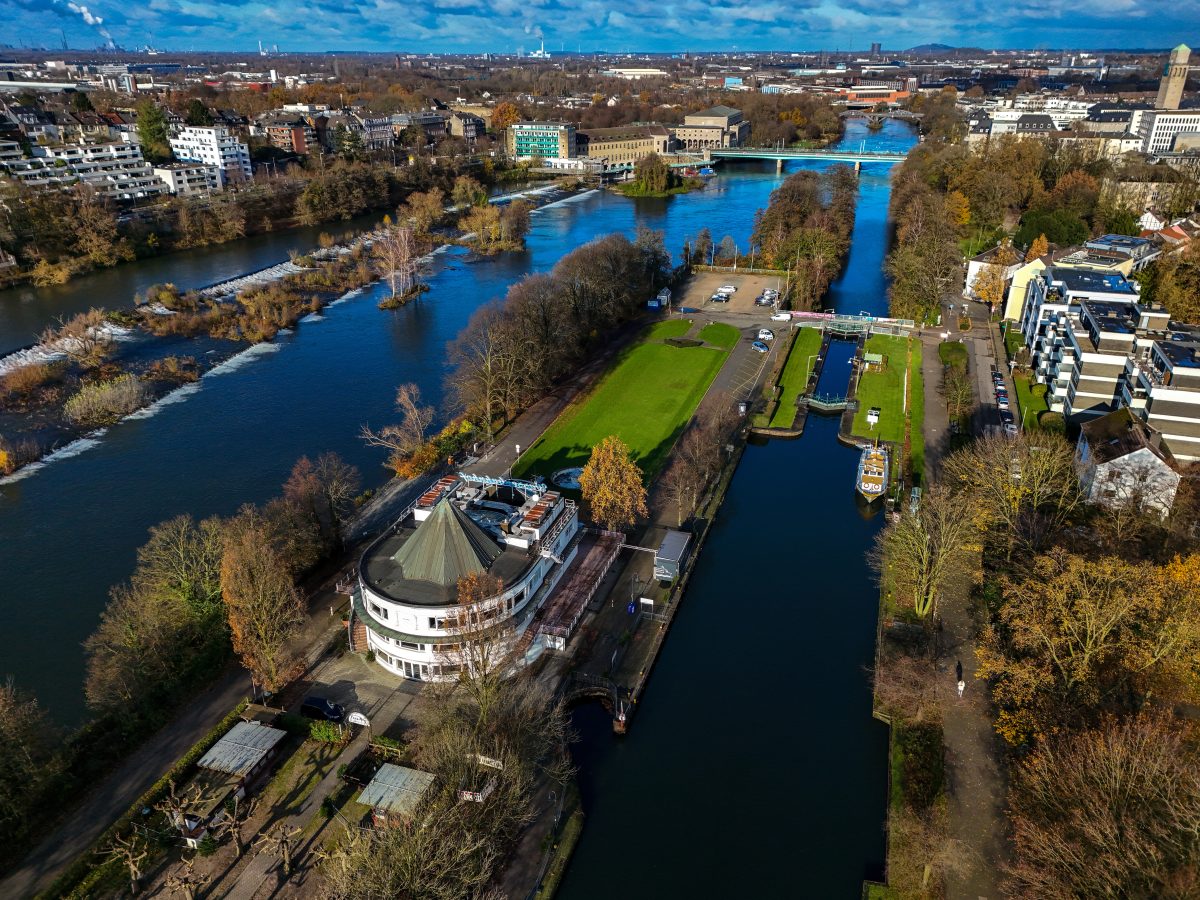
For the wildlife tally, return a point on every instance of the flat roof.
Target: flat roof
(1084, 280)
(1111, 317)
(242, 748)
(396, 789)
(1184, 354)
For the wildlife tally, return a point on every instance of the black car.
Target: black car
(1006, 417)
(322, 710)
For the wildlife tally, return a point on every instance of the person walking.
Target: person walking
(962, 686)
(958, 671)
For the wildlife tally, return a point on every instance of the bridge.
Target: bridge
(780, 154)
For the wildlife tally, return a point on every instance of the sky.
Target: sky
(504, 26)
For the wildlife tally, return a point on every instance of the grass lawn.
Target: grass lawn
(795, 375)
(952, 353)
(1031, 401)
(886, 390)
(916, 395)
(1013, 340)
(645, 399)
(668, 328)
(720, 335)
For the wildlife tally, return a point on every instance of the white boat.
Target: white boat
(872, 478)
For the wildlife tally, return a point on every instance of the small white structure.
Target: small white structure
(394, 793)
(1122, 463)
(668, 558)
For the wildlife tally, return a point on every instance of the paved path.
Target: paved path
(975, 779)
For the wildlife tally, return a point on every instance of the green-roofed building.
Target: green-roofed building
(406, 606)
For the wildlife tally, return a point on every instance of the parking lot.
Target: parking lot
(699, 291)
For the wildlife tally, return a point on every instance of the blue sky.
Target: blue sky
(615, 25)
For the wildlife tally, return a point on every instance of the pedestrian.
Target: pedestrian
(962, 686)
(958, 671)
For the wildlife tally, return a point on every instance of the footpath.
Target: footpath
(974, 776)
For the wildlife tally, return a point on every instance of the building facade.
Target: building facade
(720, 126)
(517, 534)
(1170, 88)
(214, 145)
(114, 170)
(547, 140)
(620, 146)
(190, 179)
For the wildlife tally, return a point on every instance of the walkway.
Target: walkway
(974, 775)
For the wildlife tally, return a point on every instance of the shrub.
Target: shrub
(23, 381)
(207, 846)
(326, 732)
(1052, 422)
(295, 724)
(104, 402)
(328, 810)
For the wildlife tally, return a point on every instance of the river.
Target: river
(753, 767)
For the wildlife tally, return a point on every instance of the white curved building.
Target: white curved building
(406, 607)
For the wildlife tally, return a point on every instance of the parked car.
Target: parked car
(1002, 402)
(766, 334)
(761, 347)
(322, 710)
(1010, 428)
(1006, 417)
(771, 294)
(727, 289)
(719, 298)
(781, 317)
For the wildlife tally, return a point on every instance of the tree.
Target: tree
(80, 102)
(197, 113)
(487, 375)
(1039, 248)
(611, 484)
(504, 115)
(153, 132)
(1113, 812)
(131, 851)
(404, 438)
(919, 553)
(482, 640)
(279, 841)
(424, 208)
(467, 192)
(959, 209)
(84, 338)
(395, 251)
(27, 758)
(325, 490)
(652, 175)
(263, 606)
(992, 279)
(188, 882)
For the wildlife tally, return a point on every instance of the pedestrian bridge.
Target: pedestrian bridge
(857, 157)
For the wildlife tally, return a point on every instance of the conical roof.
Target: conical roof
(446, 546)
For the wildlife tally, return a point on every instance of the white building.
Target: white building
(1158, 128)
(1122, 463)
(189, 179)
(115, 170)
(213, 145)
(406, 605)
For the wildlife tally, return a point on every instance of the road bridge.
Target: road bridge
(782, 154)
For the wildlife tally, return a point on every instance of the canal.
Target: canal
(753, 767)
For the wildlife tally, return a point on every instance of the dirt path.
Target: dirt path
(974, 774)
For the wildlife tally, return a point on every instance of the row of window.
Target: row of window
(418, 671)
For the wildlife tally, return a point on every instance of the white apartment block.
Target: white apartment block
(190, 179)
(1162, 387)
(114, 170)
(213, 145)
(1158, 128)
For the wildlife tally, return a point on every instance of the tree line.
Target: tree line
(202, 594)
(1088, 651)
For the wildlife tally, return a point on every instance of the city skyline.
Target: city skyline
(506, 26)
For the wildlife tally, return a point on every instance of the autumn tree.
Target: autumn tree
(1113, 812)
(424, 209)
(488, 371)
(467, 192)
(85, 337)
(263, 605)
(397, 255)
(1039, 248)
(918, 554)
(991, 282)
(325, 489)
(405, 436)
(611, 484)
(504, 115)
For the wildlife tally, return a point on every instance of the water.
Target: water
(753, 767)
(70, 530)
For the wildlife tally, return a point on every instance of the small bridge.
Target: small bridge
(826, 402)
(781, 154)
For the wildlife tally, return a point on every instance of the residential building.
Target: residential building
(407, 608)
(432, 123)
(548, 140)
(1123, 462)
(1162, 387)
(114, 170)
(1140, 251)
(467, 126)
(214, 145)
(1095, 345)
(1170, 88)
(720, 126)
(10, 151)
(293, 135)
(1105, 258)
(190, 179)
(623, 145)
(988, 258)
(377, 133)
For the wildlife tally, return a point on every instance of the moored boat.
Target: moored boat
(872, 472)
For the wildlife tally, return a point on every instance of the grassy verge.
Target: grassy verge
(795, 375)
(885, 390)
(563, 848)
(952, 353)
(646, 399)
(1013, 341)
(1031, 401)
(916, 393)
(720, 335)
(668, 328)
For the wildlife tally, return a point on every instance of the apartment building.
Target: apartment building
(1162, 387)
(547, 140)
(1096, 347)
(115, 170)
(467, 126)
(213, 145)
(190, 179)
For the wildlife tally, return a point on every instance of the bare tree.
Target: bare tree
(176, 806)
(409, 433)
(906, 686)
(279, 841)
(85, 337)
(234, 819)
(481, 642)
(958, 391)
(396, 252)
(131, 851)
(188, 882)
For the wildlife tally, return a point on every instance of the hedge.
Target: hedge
(84, 873)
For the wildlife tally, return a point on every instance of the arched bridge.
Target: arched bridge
(851, 156)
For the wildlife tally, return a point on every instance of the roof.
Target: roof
(719, 110)
(673, 545)
(396, 789)
(1118, 434)
(242, 748)
(447, 547)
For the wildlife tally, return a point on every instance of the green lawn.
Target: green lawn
(952, 353)
(1031, 401)
(720, 335)
(886, 390)
(795, 374)
(916, 395)
(646, 399)
(668, 328)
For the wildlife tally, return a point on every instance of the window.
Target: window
(409, 645)
(379, 611)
